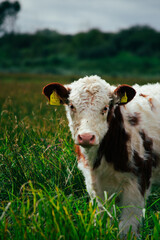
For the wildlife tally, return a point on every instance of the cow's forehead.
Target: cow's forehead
(90, 91)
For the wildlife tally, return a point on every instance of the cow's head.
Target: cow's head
(89, 103)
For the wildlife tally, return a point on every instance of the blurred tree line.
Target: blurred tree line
(132, 51)
(8, 15)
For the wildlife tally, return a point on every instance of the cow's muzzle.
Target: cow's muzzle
(86, 139)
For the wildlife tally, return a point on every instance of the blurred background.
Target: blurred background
(68, 37)
(42, 193)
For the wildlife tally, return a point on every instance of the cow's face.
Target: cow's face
(88, 103)
(87, 110)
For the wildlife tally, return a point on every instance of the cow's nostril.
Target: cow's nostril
(80, 138)
(92, 138)
(86, 139)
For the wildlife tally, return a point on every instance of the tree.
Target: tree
(8, 15)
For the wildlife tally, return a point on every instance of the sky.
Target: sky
(72, 16)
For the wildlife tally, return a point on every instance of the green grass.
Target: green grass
(42, 193)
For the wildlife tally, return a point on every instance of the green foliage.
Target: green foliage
(8, 9)
(42, 193)
(134, 51)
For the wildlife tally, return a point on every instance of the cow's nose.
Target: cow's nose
(86, 139)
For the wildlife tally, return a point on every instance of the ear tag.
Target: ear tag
(54, 99)
(124, 99)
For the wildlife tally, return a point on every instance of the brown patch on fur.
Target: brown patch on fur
(80, 156)
(144, 165)
(143, 95)
(91, 96)
(155, 160)
(110, 112)
(143, 172)
(89, 92)
(151, 103)
(147, 142)
(114, 144)
(149, 100)
(134, 119)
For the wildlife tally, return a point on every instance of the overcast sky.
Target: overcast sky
(72, 16)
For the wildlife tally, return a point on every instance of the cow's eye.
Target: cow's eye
(105, 109)
(72, 108)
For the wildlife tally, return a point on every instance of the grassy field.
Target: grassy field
(42, 193)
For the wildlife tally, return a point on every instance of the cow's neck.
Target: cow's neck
(114, 144)
(90, 154)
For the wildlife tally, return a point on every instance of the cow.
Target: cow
(116, 131)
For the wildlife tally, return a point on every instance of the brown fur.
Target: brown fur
(151, 103)
(143, 171)
(134, 119)
(110, 112)
(149, 100)
(114, 144)
(80, 156)
(144, 166)
(143, 95)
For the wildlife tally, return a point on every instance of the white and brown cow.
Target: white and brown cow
(117, 137)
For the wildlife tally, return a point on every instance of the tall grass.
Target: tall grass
(42, 193)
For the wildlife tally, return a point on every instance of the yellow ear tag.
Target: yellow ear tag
(54, 99)
(124, 99)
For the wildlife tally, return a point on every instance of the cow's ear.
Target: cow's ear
(56, 93)
(124, 94)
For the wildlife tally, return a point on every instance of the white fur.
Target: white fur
(89, 96)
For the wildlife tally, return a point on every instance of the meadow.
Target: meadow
(42, 192)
